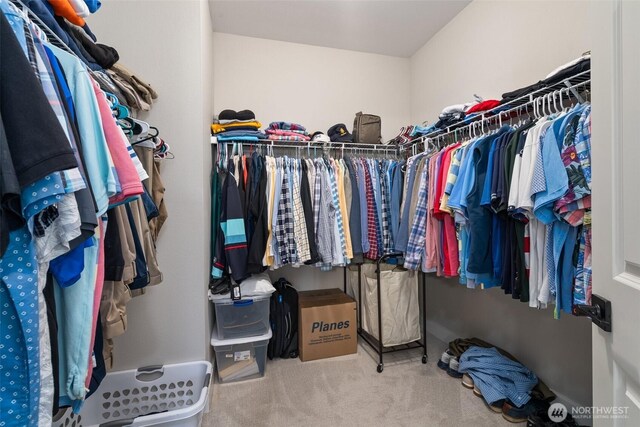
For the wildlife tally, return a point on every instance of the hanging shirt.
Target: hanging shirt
(372, 218)
(324, 215)
(36, 141)
(344, 216)
(19, 326)
(125, 170)
(275, 243)
(480, 261)
(270, 167)
(364, 211)
(301, 237)
(416, 245)
(403, 231)
(96, 154)
(355, 225)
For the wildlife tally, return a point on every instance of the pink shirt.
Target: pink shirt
(127, 174)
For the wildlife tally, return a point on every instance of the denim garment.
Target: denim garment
(498, 377)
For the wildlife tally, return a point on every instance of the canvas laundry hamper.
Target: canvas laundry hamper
(400, 305)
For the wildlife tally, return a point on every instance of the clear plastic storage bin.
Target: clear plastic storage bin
(171, 395)
(240, 359)
(248, 317)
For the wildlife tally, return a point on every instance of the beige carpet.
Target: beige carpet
(347, 391)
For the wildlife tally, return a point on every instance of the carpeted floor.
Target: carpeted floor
(347, 391)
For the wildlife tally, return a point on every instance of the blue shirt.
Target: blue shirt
(498, 377)
(455, 196)
(19, 325)
(555, 176)
(94, 145)
(16, 22)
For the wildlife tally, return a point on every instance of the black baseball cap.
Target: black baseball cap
(339, 133)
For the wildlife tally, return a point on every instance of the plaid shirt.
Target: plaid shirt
(302, 240)
(574, 212)
(387, 241)
(324, 216)
(372, 213)
(73, 180)
(291, 138)
(286, 126)
(416, 245)
(285, 224)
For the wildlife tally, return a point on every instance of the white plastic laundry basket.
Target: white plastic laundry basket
(171, 395)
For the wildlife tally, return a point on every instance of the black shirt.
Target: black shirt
(36, 141)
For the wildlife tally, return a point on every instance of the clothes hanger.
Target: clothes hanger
(151, 136)
(126, 126)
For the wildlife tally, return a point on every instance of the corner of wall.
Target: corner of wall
(207, 77)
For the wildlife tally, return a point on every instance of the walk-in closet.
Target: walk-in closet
(319, 213)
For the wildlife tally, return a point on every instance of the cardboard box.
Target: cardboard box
(326, 324)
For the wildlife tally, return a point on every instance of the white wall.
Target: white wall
(314, 86)
(168, 43)
(492, 47)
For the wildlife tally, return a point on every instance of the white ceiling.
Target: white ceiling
(387, 27)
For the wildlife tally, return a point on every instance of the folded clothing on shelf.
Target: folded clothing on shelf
(301, 135)
(240, 135)
(456, 108)
(292, 138)
(287, 126)
(483, 106)
(403, 137)
(245, 126)
(556, 76)
(422, 130)
(242, 115)
(447, 120)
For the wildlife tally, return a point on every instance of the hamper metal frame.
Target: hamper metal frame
(376, 344)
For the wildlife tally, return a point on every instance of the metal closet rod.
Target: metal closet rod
(571, 91)
(312, 144)
(565, 84)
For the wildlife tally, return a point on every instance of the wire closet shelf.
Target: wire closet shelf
(576, 87)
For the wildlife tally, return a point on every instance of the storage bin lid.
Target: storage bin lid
(216, 342)
(226, 299)
(257, 285)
